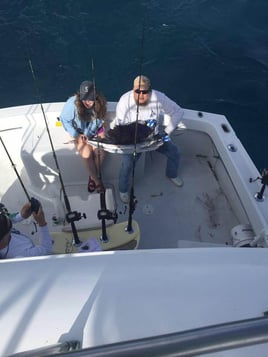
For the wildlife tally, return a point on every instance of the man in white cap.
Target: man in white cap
(153, 106)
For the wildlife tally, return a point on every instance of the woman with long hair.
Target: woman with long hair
(83, 117)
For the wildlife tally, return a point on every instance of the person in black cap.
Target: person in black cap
(13, 244)
(83, 117)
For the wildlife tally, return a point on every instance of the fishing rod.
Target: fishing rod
(132, 198)
(103, 213)
(35, 204)
(71, 216)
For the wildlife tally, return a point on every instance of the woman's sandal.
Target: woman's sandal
(91, 186)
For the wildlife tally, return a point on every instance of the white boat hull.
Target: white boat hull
(163, 286)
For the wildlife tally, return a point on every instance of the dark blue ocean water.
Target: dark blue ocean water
(210, 55)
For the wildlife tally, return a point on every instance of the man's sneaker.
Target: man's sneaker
(177, 181)
(124, 197)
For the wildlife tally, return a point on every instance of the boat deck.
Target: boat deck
(197, 214)
(201, 213)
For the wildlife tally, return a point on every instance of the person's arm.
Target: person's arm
(24, 213)
(45, 246)
(93, 128)
(173, 113)
(67, 116)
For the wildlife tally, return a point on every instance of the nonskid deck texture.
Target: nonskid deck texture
(169, 216)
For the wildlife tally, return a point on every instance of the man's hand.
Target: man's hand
(151, 123)
(26, 210)
(165, 137)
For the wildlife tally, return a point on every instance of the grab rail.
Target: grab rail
(52, 350)
(194, 342)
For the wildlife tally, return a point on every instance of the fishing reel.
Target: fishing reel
(74, 216)
(106, 214)
(35, 204)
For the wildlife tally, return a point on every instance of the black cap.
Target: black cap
(5, 225)
(87, 91)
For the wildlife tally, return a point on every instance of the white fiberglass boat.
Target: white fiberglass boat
(188, 278)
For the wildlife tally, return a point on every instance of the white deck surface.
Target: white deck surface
(198, 211)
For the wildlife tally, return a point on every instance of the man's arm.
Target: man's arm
(173, 113)
(45, 246)
(24, 213)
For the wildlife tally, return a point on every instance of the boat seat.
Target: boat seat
(41, 174)
(37, 157)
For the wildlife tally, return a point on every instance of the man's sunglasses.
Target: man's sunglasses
(141, 91)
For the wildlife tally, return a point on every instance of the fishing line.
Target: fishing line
(103, 214)
(71, 216)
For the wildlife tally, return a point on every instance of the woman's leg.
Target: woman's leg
(87, 153)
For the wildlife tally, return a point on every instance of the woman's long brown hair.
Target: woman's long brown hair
(100, 107)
